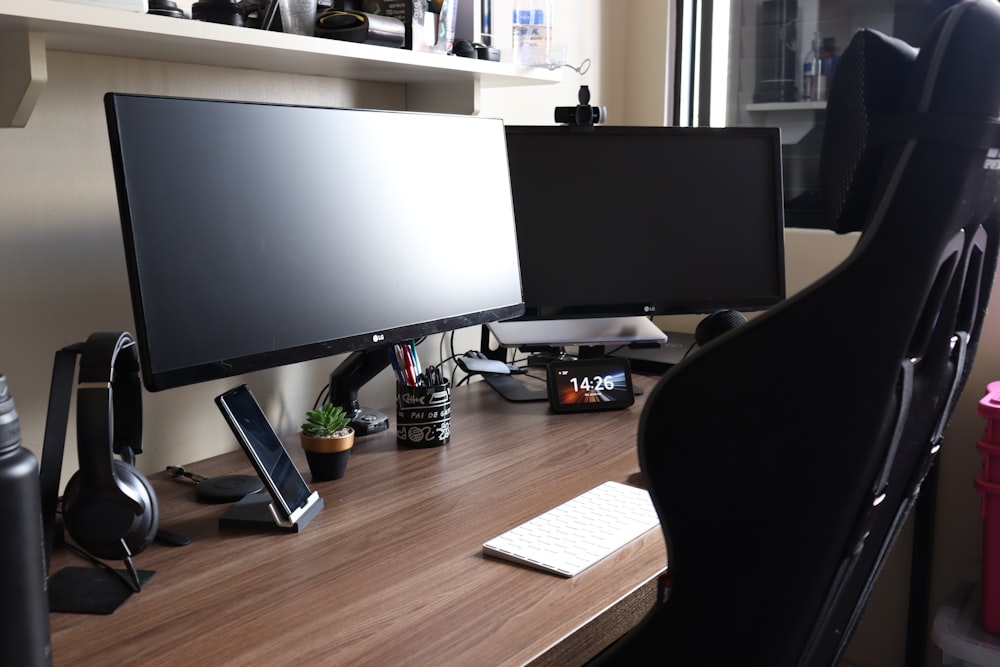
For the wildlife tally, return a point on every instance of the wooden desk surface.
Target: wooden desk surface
(391, 571)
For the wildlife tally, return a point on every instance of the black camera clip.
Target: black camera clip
(582, 117)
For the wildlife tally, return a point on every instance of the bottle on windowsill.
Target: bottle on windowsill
(808, 81)
(814, 59)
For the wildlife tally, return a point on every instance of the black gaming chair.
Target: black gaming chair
(784, 455)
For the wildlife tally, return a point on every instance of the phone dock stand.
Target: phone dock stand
(257, 512)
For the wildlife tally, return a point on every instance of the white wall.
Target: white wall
(62, 260)
(580, 25)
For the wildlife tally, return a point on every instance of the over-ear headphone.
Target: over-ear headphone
(109, 507)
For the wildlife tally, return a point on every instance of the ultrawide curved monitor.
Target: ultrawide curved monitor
(258, 235)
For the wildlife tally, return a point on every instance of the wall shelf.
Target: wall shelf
(31, 28)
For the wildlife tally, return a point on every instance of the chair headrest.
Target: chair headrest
(885, 91)
(944, 101)
(871, 76)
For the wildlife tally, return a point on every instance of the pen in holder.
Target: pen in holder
(423, 414)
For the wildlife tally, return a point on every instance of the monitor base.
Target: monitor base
(511, 388)
(367, 421)
(658, 360)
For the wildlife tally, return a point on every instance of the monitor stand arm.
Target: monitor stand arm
(352, 374)
(499, 353)
(592, 352)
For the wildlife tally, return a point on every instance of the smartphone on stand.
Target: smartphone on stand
(290, 495)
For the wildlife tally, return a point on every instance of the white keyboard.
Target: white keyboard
(573, 536)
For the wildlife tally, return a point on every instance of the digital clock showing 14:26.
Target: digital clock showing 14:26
(590, 384)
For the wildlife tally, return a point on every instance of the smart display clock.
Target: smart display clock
(590, 384)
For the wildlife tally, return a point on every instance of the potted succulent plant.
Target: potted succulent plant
(327, 439)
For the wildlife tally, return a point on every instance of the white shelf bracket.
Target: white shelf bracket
(23, 75)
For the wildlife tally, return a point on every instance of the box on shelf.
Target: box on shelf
(429, 26)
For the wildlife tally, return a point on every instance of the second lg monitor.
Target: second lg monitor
(626, 221)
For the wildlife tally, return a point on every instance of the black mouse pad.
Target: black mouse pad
(91, 590)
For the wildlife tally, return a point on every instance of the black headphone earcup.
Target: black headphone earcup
(145, 526)
(98, 519)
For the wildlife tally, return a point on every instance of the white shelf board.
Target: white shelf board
(66, 26)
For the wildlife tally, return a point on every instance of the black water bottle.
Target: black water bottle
(24, 621)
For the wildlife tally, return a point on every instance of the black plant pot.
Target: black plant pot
(325, 466)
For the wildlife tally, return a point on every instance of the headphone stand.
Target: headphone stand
(94, 590)
(91, 590)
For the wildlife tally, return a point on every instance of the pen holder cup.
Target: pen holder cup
(423, 415)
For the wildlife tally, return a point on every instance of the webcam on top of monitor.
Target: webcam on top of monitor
(582, 116)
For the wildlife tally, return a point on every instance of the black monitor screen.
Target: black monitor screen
(258, 235)
(647, 220)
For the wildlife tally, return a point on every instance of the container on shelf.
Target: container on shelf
(957, 633)
(988, 485)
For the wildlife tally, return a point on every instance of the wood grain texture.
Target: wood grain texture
(391, 571)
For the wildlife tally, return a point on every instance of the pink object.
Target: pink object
(988, 485)
(989, 407)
